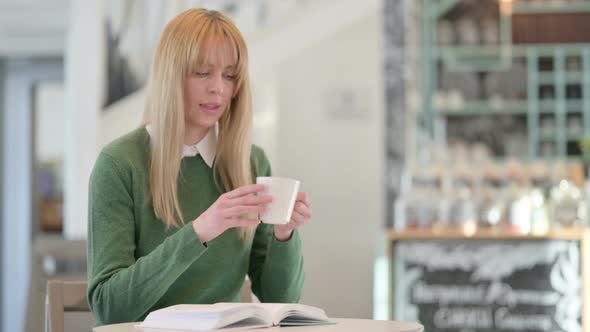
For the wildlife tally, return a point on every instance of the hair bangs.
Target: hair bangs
(214, 43)
(217, 41)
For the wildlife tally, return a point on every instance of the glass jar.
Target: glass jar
(462, 207)
(421, 206)
(515, 193)
(568, 206)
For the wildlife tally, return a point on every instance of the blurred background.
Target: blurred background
(407, 121)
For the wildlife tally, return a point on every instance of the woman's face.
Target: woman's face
(209, 89)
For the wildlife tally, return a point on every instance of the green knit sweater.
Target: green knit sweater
(137, 265)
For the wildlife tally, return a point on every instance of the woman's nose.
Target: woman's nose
(216, 85)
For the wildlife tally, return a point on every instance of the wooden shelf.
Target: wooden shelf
(572, 105)
(549, 135)
(546, 106)
(484, 234)
(516, 51)
(570, 78)
(550, 49)
(485, 108)
(574, 135)
(549, 7)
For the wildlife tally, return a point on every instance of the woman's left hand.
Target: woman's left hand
(301, 214)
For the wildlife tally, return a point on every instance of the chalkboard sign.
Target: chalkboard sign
(488, 285)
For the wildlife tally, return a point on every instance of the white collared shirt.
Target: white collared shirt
(207, 146)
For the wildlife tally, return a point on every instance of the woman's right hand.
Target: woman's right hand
(228, 211)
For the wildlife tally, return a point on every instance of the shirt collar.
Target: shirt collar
(207, 146)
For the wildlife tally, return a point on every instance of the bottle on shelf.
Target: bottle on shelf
(459, 190)
(462, 207)
(540, 186)
(491, 205)
(490, 34)
(516, 194)
(568, 204)
(422, 203)
(468, 32)
(445, 33)
(573, 64)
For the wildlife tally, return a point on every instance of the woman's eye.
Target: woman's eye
(230, 77)
(201, 73)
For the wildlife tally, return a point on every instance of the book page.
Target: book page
(184, 308)
(269, 310)
(292, 312)
(197, 317)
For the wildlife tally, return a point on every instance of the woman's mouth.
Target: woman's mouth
(210, 108)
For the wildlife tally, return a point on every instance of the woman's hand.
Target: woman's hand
(301, 214)
(228, 211)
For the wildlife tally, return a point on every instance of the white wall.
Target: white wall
(265, 103)
(337, 152)
(84, 96)
(121, 117)
(49, 122)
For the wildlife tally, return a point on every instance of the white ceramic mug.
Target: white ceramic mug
(284, 194)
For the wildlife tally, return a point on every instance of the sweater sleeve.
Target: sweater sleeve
(276, 268)
(122, 288)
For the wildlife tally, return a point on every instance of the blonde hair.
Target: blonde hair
(186, 43)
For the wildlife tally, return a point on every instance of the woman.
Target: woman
(171, 204)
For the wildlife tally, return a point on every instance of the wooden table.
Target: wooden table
(343, 325)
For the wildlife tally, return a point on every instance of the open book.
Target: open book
(203, 317)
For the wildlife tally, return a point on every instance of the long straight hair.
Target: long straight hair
(188, 40)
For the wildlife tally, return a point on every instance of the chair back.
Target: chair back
(67, 299)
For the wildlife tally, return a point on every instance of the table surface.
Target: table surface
(342, 325)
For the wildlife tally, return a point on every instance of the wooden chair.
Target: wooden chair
(67, 297)
(72, 253)
(70, 297)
